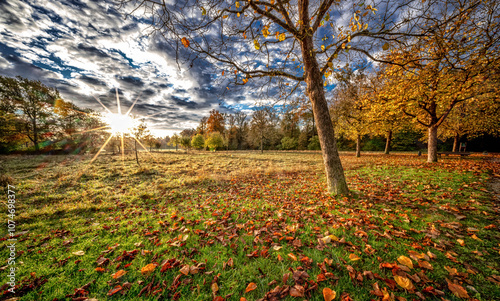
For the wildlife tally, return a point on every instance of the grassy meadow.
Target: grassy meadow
(251, 226)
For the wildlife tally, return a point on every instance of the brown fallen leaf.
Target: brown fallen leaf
(458, 290)
(184, 270)
(329, 294)
(293, 257)
(297, 291)
(406, 261)
(452, 271)
(215, 287)
(425, 264)
(251, 286)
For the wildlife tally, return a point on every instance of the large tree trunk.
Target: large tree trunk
(432, 144)
(35, 136)
(388, 142)
(358, 146)
(333, 167)
(456, 141)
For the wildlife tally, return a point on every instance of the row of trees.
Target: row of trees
(33, 117)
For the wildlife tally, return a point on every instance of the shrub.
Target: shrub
(289, 143)
(314, 143)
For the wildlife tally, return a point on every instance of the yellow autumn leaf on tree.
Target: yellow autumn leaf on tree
(256, 44)
(237, 4)
(282, 37)
(265, 31)
(185, 42)
(203, 11)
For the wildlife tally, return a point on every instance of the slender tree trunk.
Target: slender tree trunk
(358, 146)
(456, 141)
(176, 147)
(333, 167)
(388, 142)
(261, 142)
(432, 144)
(136, 156)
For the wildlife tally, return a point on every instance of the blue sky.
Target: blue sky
(87, 48)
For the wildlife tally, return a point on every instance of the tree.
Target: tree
(185, 142)
(198, 142)
(261, 125)
(34, 100)
(175, 141)
(139, 132)
(215, 122)
(214, 141)
(202, 128)
(448, 67)
(311, 37)
(351, 105)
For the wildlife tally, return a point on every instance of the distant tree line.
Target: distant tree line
(34, 118)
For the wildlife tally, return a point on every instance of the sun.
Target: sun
(119, 124)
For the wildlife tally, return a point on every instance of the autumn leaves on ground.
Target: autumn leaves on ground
(246, 226)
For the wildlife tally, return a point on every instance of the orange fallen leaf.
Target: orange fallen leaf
(475, 237)
(452, 271)
(406, 261)
(115, 290)
(148, 269)
(99, 270)
(458, 290)
(251, 286)
(119, 274)
(353, 257)
(293, 257)
(461, 242)
(404, 282)
(243, 299)
(329, 294)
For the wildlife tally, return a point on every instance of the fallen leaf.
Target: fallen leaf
(293, 257)
(215, 287)
(406, 261)
(119, 274)
(461, 242)
(79, 253)
(115, 290)
(404, 282)
(148, 269)
(251, 286)
(452, 271)
(329, 294)
(458, 290)
(185, 270)
(353, 257)
(425, 264)
(297, 291)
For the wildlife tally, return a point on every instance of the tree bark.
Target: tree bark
(456, 141)
(261, 142)
(432, 144)
(35, 135)
(358, 146)
(333, 167)
(388, 142)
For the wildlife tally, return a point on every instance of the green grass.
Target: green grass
(207, 208)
